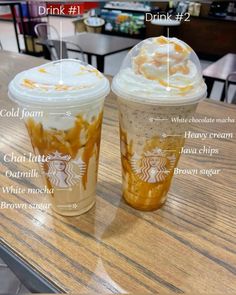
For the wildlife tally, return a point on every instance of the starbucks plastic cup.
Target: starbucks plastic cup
(159, 81)
(64, 102)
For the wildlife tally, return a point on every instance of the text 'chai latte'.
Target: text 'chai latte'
(70, 94)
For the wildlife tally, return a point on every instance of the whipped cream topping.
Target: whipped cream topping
(160, 69)
(59, 83)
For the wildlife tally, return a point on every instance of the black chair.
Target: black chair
(58, 49)
(44, 31)
(227, 83)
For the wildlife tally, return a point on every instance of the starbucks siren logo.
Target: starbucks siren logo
(154, 166)
(61, 170)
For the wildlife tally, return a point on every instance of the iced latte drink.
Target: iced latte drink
(70, 96)
(160, 80)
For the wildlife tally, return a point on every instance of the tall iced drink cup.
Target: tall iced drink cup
(67, 98)
(159, 81)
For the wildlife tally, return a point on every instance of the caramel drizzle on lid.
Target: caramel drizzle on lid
(143, 58)
(85, 70)
(58, 87)
(28, 83)
(42, 70)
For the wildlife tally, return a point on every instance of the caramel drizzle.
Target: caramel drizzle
(42, 70)
(142, 58)
(28, 83)
(136, 191)
(59, 87)
(68, 142)
(84, 70)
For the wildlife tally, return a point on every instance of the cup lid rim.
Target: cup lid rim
(27, 96)
(157, 100)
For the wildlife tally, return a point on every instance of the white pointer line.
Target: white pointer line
(170, 135)
(168, 59)
(64, 189)
(169, 150)
(57, 113)
(61, 51)
(158, 119)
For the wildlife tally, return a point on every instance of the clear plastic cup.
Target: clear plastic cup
(65, 128)
(148, 101)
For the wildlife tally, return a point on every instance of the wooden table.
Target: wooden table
(99, 45)
(219, 71)
(187, 246)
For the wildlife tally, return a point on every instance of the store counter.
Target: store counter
(199, 32)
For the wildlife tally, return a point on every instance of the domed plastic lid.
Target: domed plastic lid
(63, 83)
(160, 70)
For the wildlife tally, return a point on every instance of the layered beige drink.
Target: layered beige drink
(159, 81)
(70, 96)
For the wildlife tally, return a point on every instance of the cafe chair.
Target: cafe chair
(9, 281)
(227, 83)
(58, 49)
(44, 31)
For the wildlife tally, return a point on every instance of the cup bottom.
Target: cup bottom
(149, 205)
(74, 212)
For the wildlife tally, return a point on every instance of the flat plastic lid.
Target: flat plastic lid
(67, 82)
(160, 71)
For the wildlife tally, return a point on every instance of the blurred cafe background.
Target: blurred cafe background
(207, 26)
(101, 33)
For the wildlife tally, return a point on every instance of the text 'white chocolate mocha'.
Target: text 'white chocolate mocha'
(160, 79)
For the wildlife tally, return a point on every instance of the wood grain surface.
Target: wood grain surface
(189, 246)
